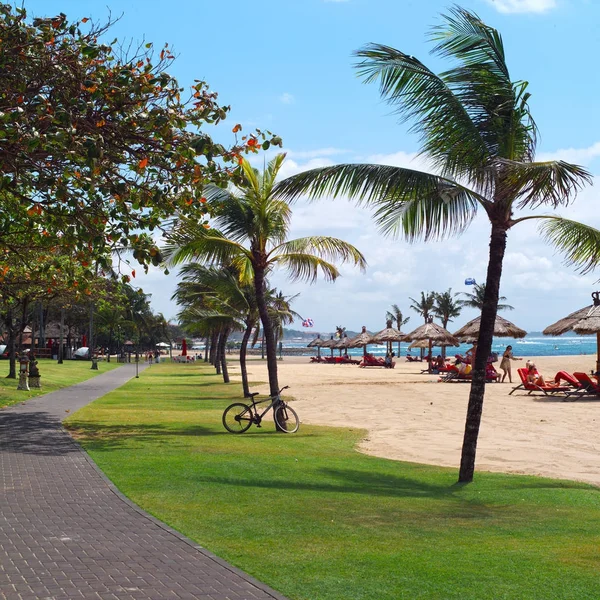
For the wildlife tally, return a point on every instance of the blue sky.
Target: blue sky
(287, 67)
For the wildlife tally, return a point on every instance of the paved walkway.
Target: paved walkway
(66, 532)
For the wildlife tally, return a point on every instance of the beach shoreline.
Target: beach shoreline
(410, 416)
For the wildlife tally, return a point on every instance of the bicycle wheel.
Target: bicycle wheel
(237, 418)
(286, 418)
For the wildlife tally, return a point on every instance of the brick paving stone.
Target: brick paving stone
(67, 533)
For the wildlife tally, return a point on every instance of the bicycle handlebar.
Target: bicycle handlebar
(285, 387)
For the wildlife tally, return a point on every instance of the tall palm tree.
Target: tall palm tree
(396, 315)
(424, 306)
(214, 298)
(446, 309)
(476, 128)
(477, 298)
(251, 226)
(282, 313)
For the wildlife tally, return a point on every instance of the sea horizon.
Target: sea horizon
(532, 345)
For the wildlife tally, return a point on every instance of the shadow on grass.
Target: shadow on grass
(115, 437)
(387, 485)
(348, 481)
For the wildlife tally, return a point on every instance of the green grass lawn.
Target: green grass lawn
(53, 377)
(314, 519)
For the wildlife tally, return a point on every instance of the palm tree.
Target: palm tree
(446, 309)
(215, 301)
(424, 306)
(396, 315)
(476, 299)
(251, 226)
(281, 311)
(476, 128)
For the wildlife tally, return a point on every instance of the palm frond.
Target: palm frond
(553, 182)
(419, 205)
(447, 132)
(328, 248)
(578, 242)
(271, 172)
(481, 81)
(306, 267)
(209, 246)
(251, 176)
(216, 195)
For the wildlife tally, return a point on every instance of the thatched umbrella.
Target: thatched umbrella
(343, 344)
(330, 343)
(502, 328)
(389, 335)
(585, 321)
(316, 343)
(362, 339)
(435, 335)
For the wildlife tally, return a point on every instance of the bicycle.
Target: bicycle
(239, 417)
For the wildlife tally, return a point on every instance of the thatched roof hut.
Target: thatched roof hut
(502, 328)
(569, 322)
(389, 334)
(316, 343)
(433, 333)
(362, 339)
(585, 321)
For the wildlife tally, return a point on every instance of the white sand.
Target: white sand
(412, 417)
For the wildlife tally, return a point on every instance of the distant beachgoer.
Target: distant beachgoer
(388, 360)
(505, 364)
(471, 352)
(464, 369)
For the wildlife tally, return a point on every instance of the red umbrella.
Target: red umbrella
(183, 348)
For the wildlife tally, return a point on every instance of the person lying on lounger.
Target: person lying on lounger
(533, 376)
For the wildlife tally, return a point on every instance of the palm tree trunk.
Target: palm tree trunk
(268, 332)
(206, 346)
(12, 367)
(243, 352)
(61, 344)
(217, 363)
(214, 338)
(445, 326)
(222, 356)
(484, 348)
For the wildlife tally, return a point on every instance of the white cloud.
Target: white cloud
(522, 6)
(287, 98)
(579, 156)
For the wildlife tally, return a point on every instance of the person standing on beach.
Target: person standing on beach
(505, 364)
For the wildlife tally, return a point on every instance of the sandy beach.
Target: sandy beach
(411, 416)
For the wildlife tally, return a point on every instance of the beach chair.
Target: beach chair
(587, 383)
(576, 388)
(453, 375)
(373, 361)
(550, 389)
(346, 360)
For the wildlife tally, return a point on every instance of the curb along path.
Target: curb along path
(66, 532)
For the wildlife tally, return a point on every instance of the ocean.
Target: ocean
(533, 345)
